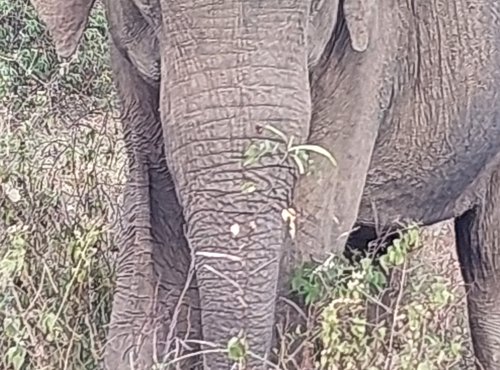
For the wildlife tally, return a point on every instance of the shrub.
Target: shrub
(417, 323)
(32, 75)
(60, 174)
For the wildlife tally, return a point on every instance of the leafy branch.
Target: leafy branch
(299, 153)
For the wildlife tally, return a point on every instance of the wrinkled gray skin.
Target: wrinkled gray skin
(404, 94)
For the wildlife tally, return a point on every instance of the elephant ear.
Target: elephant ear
(360, 19)
(65, 21)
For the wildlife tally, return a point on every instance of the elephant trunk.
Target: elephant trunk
(230, 68)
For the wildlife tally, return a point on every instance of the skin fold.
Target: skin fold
(402, 93)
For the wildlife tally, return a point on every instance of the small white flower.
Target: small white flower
(13, 194)
(235, 229)
(249, 187)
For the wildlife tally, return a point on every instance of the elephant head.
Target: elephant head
(66, 22)
(229, 70)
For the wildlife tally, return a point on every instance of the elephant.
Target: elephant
(403, 93)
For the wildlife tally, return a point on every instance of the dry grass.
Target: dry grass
(59, 193)
(61, 172)
(439, 254)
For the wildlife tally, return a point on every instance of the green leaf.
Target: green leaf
(316, 149)
(11, 327)
(424, 366)
(276, 132)
(16, 356)
(299, 163)
(248, 187)
(236, 349)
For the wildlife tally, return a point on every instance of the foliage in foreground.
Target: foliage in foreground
(366, 320)
(60, 179)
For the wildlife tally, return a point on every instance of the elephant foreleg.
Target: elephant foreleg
(478, 245)
(350, 92)
(153, 266)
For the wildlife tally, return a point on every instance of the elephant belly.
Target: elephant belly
(426, 173)
(439, 138)
(409, 198)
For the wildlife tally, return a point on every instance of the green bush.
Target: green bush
(32, 75)
(363, 323)
(60, 176)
